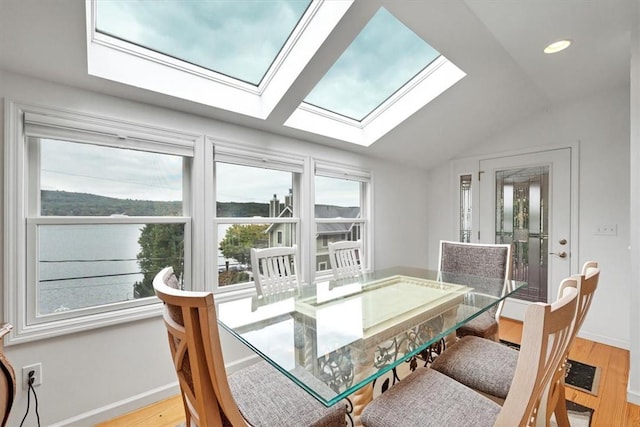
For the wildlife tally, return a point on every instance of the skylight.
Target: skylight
(253, 58)
(386, 74)
(239, 39)
(380, 60)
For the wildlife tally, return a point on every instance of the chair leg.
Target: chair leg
(562, 417)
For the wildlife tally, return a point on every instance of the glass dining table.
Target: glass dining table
(337, 339)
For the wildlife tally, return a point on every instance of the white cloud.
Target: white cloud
(110, 172)
(385, 55)
(239, 38)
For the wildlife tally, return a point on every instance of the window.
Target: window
(245, 56)
(359, 81)
(256, 207)
(240, 39)
(341, 208)
(242, 56)
(465, 208)
(104, 211)
(96, 207)
(386, 74)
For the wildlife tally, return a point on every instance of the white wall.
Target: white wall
(95, 375)
(601, 125)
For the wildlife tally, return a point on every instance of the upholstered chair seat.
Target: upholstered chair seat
(441, 402)
(267, 398)
(484, 365)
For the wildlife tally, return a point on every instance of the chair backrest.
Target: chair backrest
(546, 335)
(586, 285)
(275, 270)
(346, 258)
(190, 319)
(479, 259)
(7, 379)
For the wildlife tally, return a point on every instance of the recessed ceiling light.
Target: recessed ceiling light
(556, 47)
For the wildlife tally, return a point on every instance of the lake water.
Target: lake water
(88, 265)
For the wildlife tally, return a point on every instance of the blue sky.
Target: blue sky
(212, 34)
(382, 58)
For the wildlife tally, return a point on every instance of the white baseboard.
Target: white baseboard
(603, 339)
(121, 407)
(633, 396)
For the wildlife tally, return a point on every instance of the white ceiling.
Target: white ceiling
(498, 43)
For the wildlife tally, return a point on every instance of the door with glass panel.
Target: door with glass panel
(525, 200)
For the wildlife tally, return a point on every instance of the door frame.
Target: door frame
(471, 166)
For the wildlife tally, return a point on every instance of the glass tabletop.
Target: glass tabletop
(334, 337)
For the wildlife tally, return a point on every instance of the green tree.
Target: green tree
(239, 240)
(161, 245)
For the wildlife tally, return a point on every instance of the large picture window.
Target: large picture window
(95, 207)
(104, 211)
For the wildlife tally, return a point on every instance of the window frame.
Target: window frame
(199, 208)
(21, 209)
(364, 176)
(239, 153)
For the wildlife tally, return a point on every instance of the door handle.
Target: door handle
(562, 254)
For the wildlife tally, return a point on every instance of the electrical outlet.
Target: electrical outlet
(37, 375)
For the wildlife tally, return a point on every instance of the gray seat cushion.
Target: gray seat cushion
(267, 398)
(427, 398)
(484, 326)
(479, 363)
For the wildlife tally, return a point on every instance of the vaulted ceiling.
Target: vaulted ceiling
(498, 44)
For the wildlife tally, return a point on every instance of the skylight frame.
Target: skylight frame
(173, 60)
(198, 84)
(432, 81)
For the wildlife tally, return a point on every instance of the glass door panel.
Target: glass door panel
(522, 201)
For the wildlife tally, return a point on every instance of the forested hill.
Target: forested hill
(63, 203)
(83, 204)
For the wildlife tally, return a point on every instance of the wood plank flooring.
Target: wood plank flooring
(610, 405)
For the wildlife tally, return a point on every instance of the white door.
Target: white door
(525, 200)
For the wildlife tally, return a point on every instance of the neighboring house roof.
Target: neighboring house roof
(286, 213)
(337, 228)
(325, 211)
(330, 211)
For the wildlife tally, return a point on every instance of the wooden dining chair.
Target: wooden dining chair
(478, 259)
(275, 270)
(546, 333)
(489, 367)
(346, 258)
(257, 396)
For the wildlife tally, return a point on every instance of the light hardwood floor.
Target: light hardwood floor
(611, 408)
